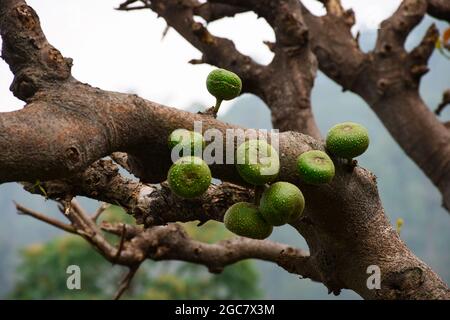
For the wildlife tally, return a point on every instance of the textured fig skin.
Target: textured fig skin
(244, 219)
(257, 162)
(347, 140)
(223, 84)
(190, 140)
(281, 203)
(189, 177)
(315, 167)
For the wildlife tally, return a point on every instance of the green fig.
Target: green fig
(224, 85)
(347, 140)
(315, 167)
(257, 162)
(189, 177)
(281, 203)
(244, 219)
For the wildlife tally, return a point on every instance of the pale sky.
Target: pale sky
(123, 51)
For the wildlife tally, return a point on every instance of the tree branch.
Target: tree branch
(395, 29)
(216, 50)
(439, 9)
(215, 11)
(445, 101)
(150, 205)
(33, 61)
(289, 79)
(72, 125)
(172, 243)
(39, 216)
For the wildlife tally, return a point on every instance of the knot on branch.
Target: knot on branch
(24, 85)
(417, 71)
(34, 62)
(73, 156)
(402, 283)
(349, 18)
(382, 85)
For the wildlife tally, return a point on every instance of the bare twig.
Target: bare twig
(125, 283)
(56, 223)
(445, 101)
(100, 210)
(122, 241)
(165, 31)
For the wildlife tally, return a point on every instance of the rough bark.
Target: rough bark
(439, 9)
(66, 126)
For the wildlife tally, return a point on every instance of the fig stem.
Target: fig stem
(351, 164)
(217, 106)
(258, 193)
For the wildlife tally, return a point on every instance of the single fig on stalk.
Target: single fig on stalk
(223, 85)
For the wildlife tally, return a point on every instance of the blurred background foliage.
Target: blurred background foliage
(39, 273)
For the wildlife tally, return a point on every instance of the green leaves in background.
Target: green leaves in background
(42, 271)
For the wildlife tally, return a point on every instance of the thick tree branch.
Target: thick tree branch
(34, 62)
(67, 126)
(171, 242)
(439, 9)
(149, 204)
(394, 30)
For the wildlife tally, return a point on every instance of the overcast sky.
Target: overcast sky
(123, 51)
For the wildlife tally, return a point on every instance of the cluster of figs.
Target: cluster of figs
(280, 202)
